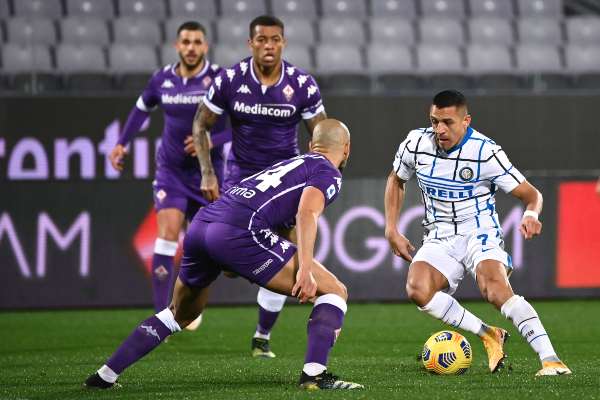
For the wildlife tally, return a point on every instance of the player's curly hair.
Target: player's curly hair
(265, 20)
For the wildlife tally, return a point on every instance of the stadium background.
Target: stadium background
(75, 234)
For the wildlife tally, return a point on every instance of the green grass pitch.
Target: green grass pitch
(47, 355)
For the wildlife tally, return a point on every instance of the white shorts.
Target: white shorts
(456, 255)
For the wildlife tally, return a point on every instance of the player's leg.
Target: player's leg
(189, 299)
(169, 221)
(434, 270)
(270, 305)
(324, 324)
(188, 302)
(495, 288)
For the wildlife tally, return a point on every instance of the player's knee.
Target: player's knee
(495, 291)
(340, 289)
(418, 292)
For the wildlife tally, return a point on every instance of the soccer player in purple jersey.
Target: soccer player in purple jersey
(266, 98)
(177, 89)
(238, 233)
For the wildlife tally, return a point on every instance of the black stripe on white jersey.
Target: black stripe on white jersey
(456, 165)
(504, 168)
(401, 156)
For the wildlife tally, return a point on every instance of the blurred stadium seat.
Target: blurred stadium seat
(151, 9)
(341, 67)
(391, 30)
(540, 8)
(128, 30)
(299, 31)
(543, 31)
(28, 31)
(192, 9)
(83, 67)
(91, 8)
(300, 56)
(38, 8)
(443, 8)
(232, 32)
(583, 30)
(246, 9)
(394, 8)
(294, 8)
(82, 30)
(491, 9)
(342, 31)
(441, 31)
(491, 31)
(344, 8)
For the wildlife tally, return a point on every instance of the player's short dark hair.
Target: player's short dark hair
(449, 98)
(191, 26)
(265, 20)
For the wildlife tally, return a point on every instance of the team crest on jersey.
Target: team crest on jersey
(167, 84)
(207, 81)
(466, 174)
(288, 92)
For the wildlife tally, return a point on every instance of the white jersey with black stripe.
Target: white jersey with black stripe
(458, 185)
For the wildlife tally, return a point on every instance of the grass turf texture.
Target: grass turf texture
(48, 355)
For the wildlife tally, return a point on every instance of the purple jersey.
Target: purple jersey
(179, 98)
(264, 119)
(270, 198)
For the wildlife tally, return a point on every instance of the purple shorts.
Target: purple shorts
(210, 247)
(178, 189)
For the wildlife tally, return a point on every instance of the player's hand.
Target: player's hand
(209, 187)
(530, 227)
(400, 245)
(117, 157)
(305, 287)
(190, 149)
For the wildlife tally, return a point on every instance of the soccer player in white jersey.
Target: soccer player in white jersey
(458, 171)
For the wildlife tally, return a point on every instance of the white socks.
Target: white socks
(165, 247)
(107, 374)
(526, 319)
(313, 369)
(444, 307)
(270, 301)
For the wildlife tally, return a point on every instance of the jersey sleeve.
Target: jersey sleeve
(150, 98)
(327, 181)
(404, 161)
(499, 170)
(313, 103)
(216, 98)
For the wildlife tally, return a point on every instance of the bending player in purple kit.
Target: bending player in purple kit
(237, 233)
(266, 98)
(177, 89)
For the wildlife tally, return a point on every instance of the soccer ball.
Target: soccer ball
(447, 353)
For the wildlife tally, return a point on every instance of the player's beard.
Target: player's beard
(343, 165)
(191, 67)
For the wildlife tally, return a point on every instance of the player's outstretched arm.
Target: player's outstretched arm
(394, 198)
(204, 120)
(312, 122)
(533, 201)
(310, 208)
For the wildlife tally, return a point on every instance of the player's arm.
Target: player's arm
(204, 120)
(394, 199)
(312, 204)
(132, 126)
(533, 201)
(312, 122)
